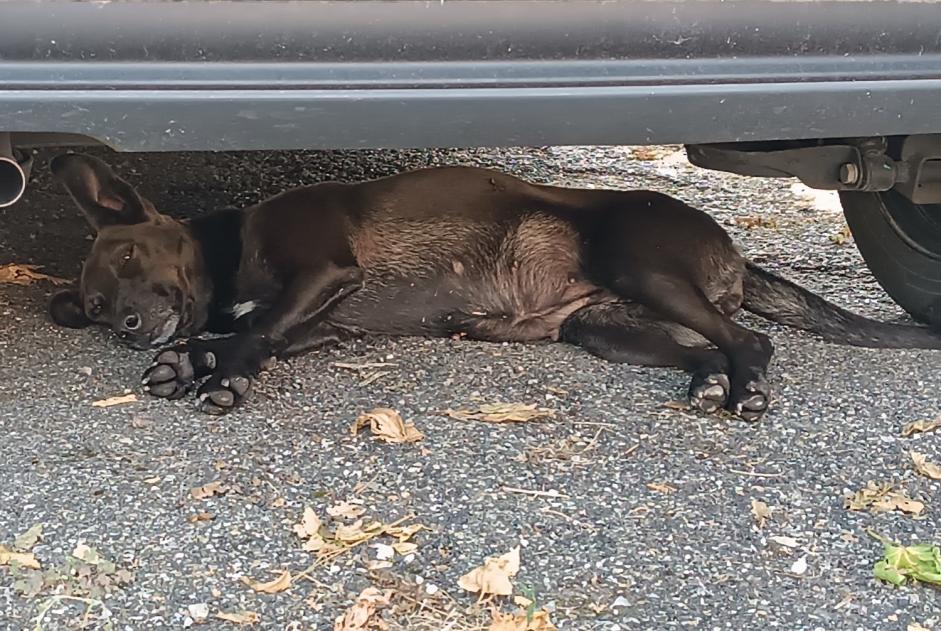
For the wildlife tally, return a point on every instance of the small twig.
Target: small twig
(365, 366)
(577, 522)
(756, 474)
(596, 424)
(376, 376)
(555, 494)
(631, 450)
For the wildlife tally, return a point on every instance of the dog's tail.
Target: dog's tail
(782, 301)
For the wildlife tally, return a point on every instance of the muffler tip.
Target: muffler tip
(12, 181)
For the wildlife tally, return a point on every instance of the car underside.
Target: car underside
(841, 95)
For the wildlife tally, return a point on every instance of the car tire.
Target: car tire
(901, 244)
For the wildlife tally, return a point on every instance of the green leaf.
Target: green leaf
(920, 562)
(886, 572)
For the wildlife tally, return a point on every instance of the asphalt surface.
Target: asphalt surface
(600, 549)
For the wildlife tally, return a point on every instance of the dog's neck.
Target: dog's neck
(219, 235)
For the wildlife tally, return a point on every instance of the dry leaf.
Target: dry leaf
(239, 617)
(502, 413)
(521, 621)
(914, 626)
(925, 468)
(274, 586)
(365, 613)
(208, 490)
(358, 531)
(761, 512)
(756, 221)
(787, 542)
(26, 540)
(661, 487)
(346, 510)
(310, 524)
(24, 559)
(921, 427)
(881, 499)
(842, 236)
(387, 425)
(404, 547)
(16, 274)
(493, 577)
(120, 400)
(309, 530)
(198, 517)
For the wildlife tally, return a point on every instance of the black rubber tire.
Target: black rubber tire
(901, 244)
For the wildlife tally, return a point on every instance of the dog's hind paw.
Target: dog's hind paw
(709, 393)
(221, 394)
(175, 371)
(751, 402)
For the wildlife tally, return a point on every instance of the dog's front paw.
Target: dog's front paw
(709, 393)
(176, 369)
(222, 392)
(750, 401)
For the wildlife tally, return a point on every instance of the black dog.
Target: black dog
(631, 276)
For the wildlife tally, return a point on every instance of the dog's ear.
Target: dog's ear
(66, 309)
(105, 198)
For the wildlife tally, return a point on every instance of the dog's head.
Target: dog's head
(144, 276)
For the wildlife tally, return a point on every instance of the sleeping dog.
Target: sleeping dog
(630, 276)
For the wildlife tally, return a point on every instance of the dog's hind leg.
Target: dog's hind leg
(683, 302)
(630, 333)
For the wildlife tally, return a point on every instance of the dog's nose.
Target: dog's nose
(132, 322)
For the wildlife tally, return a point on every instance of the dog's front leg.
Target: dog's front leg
(232, 363)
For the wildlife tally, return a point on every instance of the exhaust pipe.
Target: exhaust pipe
(13, 172)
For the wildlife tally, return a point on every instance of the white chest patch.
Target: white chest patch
(241, 309)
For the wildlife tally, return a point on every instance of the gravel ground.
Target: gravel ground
(601, 549)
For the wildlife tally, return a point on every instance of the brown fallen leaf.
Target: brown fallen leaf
(387, 425)
(279, 584)
(880, 498)
(502, 413)
(404, 547)
(366, 612)
(925, 468)
(346, 510)
(119, 400)
(493, 577)
(208, 490)
(239, 617)
(521, 621)
(24, 274)
(23, 559)
(651, 153)
(756, 221)
(661, 487)
(309, 530)
(921, 427)
(842, 236)
(198, 517)
(760, 512)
